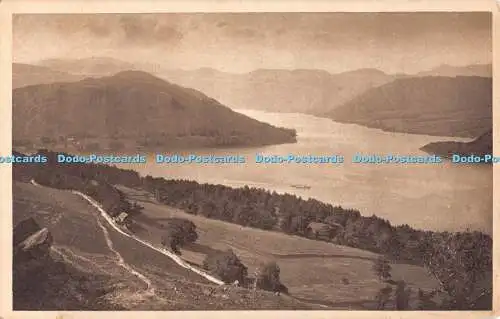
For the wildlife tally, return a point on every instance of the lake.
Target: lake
(444, 197)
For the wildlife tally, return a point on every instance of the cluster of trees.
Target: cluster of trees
(402, 293)
(95, 181)
(229, 268)
(461, 261)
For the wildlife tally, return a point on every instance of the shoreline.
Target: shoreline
(285, 190)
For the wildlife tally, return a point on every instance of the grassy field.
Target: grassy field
(79, 241)
(314, 271)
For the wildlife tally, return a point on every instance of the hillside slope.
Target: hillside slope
(482, 145)
(279, 90)
(137, 108)
(90, 67)
(302, 91)
(90, 275)
(314, 271)
(483, 70)
(445, 106)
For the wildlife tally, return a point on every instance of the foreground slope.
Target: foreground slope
(314, 271)
(137, 109)
(445, 106)
(87, 252)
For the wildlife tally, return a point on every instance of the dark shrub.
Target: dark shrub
(227, 266)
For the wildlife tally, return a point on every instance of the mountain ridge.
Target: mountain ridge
(480, 146)
(155, 111)
(432, 105)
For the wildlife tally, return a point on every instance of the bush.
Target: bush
(178, 232)
(269, 278)
(227, 266)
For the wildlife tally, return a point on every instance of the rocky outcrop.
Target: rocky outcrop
(44, 281)
(31, 244)
(36, 246)
(31, 253)
(24, 229)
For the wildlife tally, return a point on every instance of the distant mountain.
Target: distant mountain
(135, 107)
(480, 146)
(445, 106)
(27, 74)
(278, 90)
(94, 66)
(483, 70)
(302, 90)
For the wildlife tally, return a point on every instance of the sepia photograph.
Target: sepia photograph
(252, 161)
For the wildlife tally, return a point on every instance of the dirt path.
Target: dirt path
(172, 256)
(179, 261)
(119, 258)
(150, 289)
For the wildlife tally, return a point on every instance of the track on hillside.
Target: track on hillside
(179, 261)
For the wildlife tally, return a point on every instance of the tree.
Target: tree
(382, 268)
(178, 232)
(402, 296)
(268, 278)
(227, 266)
(383, 297)
(461, 262)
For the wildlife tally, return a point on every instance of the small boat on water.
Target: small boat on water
(301, 186)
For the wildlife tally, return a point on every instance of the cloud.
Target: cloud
(237, 41)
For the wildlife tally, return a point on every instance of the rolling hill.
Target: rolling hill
(277, 90)
(444, 106)
(84, 264)
(90, 266)
(334, 271)
(27, 74)
(482, 70)
(301, 91)
(314, 271)
(137, 109)
(90, 67)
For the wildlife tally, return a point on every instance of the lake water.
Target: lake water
(441, 196)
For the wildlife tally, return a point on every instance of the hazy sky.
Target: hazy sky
(240, 42)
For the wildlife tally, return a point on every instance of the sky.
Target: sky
(242, 42)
